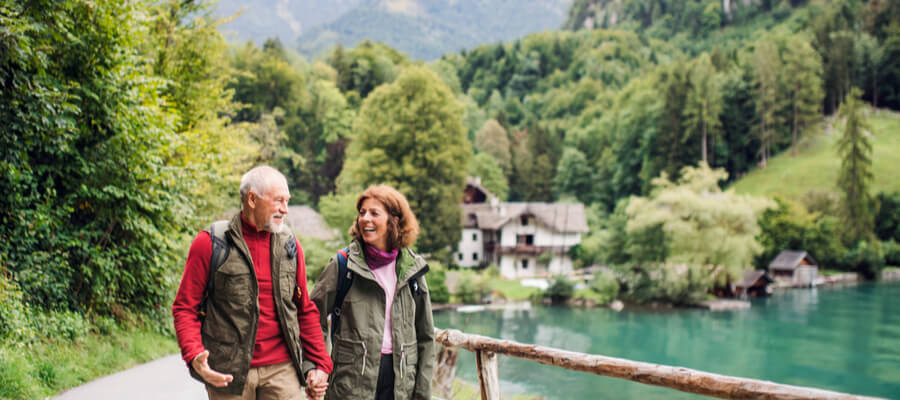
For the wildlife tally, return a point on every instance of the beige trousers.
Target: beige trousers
(271, 382)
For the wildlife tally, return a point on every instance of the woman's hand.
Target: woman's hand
(316, 383)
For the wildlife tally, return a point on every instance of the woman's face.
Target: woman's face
(372, 223)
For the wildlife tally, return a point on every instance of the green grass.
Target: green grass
(817, 164)
(512, 289)
(44, 369)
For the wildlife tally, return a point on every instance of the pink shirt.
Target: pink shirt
(387, 278)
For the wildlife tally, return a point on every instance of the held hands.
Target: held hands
(316, 384)
(208, 374)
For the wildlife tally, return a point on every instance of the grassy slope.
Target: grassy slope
(817, 164)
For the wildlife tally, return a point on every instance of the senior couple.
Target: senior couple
(249, 328)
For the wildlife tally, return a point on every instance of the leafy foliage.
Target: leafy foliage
(409, 135)
(605, 285)
(701, 225)
(113, 143)
(560, 290)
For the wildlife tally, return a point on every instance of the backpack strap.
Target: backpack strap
(221, 247)
(345, 280)
(414, 281)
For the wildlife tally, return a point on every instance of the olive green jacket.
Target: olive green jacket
(356, 348)
(232, 309)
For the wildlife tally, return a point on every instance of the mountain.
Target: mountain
(423, 29)
(284, 19)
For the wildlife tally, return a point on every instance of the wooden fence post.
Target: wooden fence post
(445, 371)
(488, 377)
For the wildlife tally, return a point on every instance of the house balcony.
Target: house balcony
(527, 249)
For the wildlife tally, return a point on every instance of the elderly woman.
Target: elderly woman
(383, 346)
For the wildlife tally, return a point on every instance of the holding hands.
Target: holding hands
(316, 384)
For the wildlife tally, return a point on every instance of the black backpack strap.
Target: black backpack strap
(414, 281)
(220, 250)
(345, 280)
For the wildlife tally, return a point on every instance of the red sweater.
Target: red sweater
(270, 347)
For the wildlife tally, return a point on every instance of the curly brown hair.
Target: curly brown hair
(402, 224)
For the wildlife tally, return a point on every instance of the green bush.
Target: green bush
(545, 258)
(605, 285)
(317, 254)
(561, 289)
(891, 253)
(887, 219)
(790, 226)
(679, 284)
(467, 290)
(15, 325)
(866, 258)
(61, 325)
(437, 283)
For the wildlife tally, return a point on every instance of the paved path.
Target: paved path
(166, 378)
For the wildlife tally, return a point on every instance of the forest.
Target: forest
(126, 126)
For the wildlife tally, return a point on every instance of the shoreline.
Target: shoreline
(718, 304)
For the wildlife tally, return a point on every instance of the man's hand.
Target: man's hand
(316, 384)
(208, 374)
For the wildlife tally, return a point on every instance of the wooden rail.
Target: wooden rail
(486, 350)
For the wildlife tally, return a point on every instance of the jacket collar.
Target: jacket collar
(408, 263)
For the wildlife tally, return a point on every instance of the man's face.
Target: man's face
(271, 207)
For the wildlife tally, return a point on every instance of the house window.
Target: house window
(525, 239)
(459, 256)
(524, 264)
(524, 220)
(474, 237)
(474, 256)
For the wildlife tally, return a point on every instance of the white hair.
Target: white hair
(259, 180)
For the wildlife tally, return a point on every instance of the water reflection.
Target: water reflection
(844, 339)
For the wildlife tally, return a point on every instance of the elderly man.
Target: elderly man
(253, 333)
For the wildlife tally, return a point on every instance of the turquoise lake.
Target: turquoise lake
(844, 339)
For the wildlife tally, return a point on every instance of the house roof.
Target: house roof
(475, 182)
(305, 221)
(750, 277)
(790, 259)
(560, 217)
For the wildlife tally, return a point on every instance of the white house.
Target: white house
(523, 239)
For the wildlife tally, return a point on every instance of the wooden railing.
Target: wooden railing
(486, 350)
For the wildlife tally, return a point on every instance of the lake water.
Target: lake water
(843, 339)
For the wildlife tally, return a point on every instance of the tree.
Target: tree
(492, 139)
(106, 147)
(768, 67)
(855, 150)
(701, 224)
(889, 70)
(484, 166)
(704, 102)
(409, 135)
(869, 59)
(804, 87)
(574, 176)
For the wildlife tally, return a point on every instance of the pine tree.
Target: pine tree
(855, 150)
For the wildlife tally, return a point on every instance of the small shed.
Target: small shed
(795, 267)
(753, 284)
